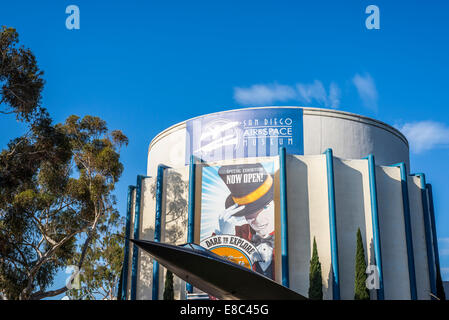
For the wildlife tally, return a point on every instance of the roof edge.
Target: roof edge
(308, 110)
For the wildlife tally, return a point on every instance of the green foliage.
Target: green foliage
(33, 173)
(361, 292)
(103, 262)
(168, 290)
(20, 77)
(315, 278)
(56, 184)
(62, 198)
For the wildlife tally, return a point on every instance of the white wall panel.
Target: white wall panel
(176, 212)
(352, 137)
(392, 234)
(147, 216)
(353, 211)
(419, 239)
(308, 217)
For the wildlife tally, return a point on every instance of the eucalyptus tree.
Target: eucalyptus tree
(20, 77)
(64, 201)
(56, 183)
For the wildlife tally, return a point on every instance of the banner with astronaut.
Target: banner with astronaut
(237, 214)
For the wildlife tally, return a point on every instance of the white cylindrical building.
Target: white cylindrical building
(260, 185)
(350, 136)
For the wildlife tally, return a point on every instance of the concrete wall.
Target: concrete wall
(308, 218)
(175, 223)
(173, 228)
(350, 136)
(419, 239)
(353, 211)
(392, 234)
(146, 232)
(168, 149)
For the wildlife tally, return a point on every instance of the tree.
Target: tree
(63, 201)
(315, 279)
(25, 164)
(31, 169)
(56, 184)
(361, 292)
(103, 262)
(168, 290)
(21, 77)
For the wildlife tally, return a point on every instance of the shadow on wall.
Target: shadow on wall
(175, 193)
(372, 261)
(174, 220)
(328, 292)
(145, 262)
(300, 242)
(145, 269)
(350, 215)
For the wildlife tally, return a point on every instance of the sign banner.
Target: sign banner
(237, 214)
(245, 133)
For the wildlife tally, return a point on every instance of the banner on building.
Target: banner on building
(238, 214)
(245, 133)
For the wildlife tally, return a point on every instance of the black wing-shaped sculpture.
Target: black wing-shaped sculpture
(215, 275)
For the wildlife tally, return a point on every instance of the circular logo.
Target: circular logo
(232, 248)
(233, 255)
(219, 134)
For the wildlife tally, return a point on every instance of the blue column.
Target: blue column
(434, 230)
(127, 235)
(332, 225)
(408, 230)
(157, 227)
(191, 209)
(428, 233)
(136, 236)
(375, 223)
(284, 222)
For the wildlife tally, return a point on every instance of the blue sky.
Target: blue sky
(145, 65)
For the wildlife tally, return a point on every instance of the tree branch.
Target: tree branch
(88, 240)
(47, 255)
(40, 295)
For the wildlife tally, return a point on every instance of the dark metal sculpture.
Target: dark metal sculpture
(215, 275)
